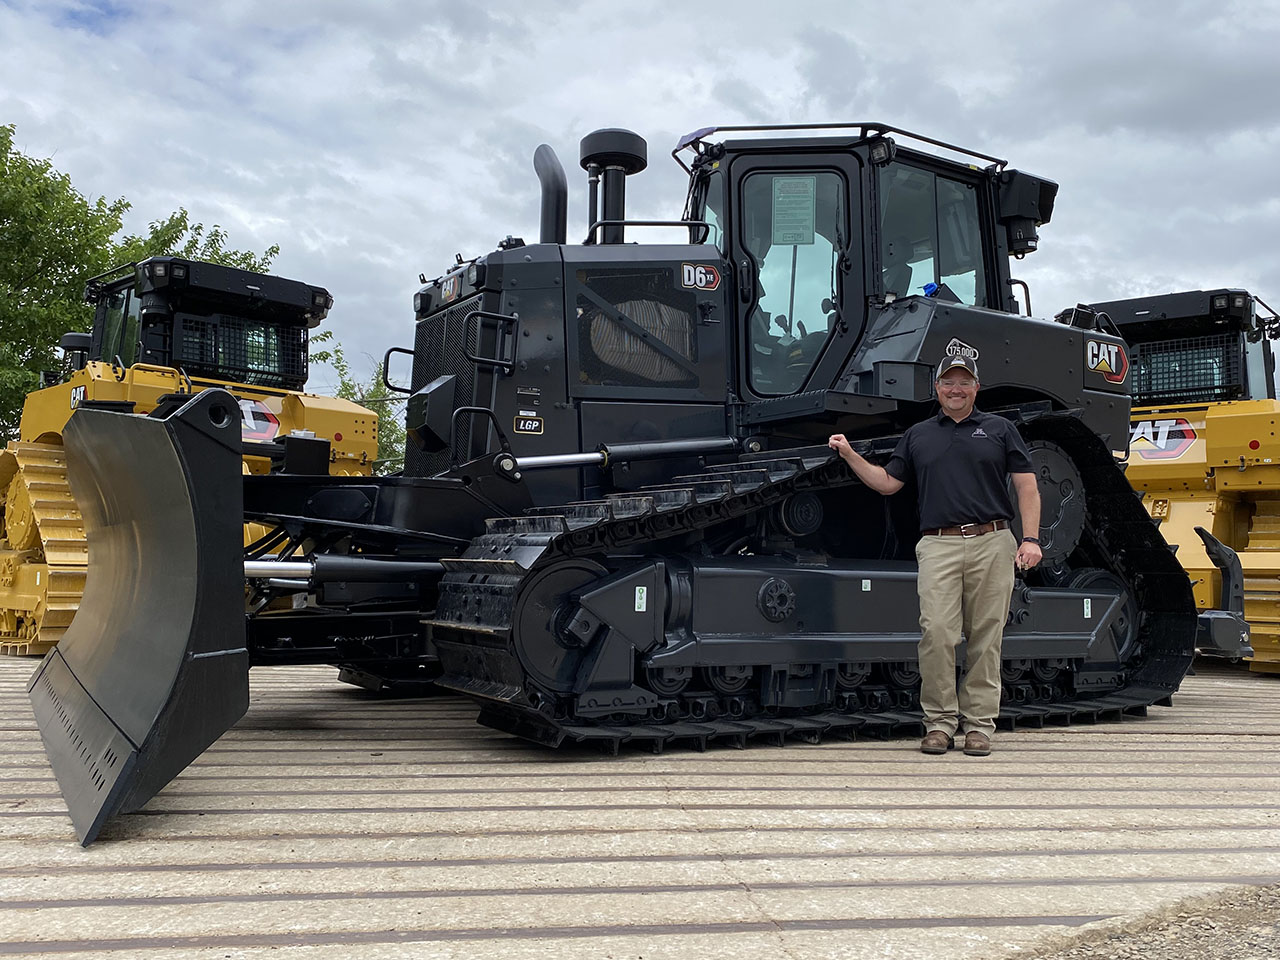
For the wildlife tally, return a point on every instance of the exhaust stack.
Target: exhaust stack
(611, 154)
(555, 195)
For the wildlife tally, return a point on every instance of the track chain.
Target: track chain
(479, 592)
(45, 553)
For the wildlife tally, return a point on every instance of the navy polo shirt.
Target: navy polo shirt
(962, 469)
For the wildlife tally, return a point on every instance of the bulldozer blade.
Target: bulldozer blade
(153, 669)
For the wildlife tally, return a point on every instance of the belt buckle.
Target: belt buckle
(970, 536)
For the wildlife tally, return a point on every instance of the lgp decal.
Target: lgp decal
(1108, 359)
(257, 422)
(1161, 439)
(699, 276)
(958, 348)
(527, 423)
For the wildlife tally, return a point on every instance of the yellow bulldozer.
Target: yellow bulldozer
(163, 329)
(1204, 450)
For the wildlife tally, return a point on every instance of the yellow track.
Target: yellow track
(43, 555)
(1262, 585)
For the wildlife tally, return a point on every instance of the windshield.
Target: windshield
(120, 311)
(930, 232)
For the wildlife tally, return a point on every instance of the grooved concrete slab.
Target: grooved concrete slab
(330, 824)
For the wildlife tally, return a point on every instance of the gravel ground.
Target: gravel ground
(1242, 924)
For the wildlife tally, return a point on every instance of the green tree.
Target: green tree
(177, 236)
(53, 239)
(372, 394)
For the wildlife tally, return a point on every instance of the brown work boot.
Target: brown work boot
(976, 744)
(936, 742)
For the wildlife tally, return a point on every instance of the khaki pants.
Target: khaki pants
(964, 586)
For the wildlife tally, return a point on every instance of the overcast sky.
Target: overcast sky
(374, 140)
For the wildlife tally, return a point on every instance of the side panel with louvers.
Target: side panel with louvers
(437, 349)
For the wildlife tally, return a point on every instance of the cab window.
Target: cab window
(129, 335)
(930, 232)
(1260, 367)
(121, 310)
(708, 205)
(795, 229)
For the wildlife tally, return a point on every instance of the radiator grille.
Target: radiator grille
(1205, 369)
(245, 351)
(437, 349)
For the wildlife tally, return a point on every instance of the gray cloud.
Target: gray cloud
(373, 141)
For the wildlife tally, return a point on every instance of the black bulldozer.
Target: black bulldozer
(618, 520)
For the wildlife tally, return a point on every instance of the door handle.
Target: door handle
(746, 281)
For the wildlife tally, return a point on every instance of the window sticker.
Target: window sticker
(794, 205)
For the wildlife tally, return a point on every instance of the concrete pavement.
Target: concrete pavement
(331, 824)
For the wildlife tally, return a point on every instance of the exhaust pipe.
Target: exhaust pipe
(617, 154)
(555, 195)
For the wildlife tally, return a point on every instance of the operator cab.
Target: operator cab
(818, 228)
(1199, 346)
(207, 320)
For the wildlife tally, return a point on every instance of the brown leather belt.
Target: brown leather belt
(967, 530)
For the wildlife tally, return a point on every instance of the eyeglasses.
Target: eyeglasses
(958, 383)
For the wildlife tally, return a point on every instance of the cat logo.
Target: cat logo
(77, 396)
(450, 288)
(257, 422)
(1161, 439)
(699, 276)
(1108, 359)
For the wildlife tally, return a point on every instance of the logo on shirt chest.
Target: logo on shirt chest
(979, 432)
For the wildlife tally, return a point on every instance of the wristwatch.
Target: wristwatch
(1034, 540)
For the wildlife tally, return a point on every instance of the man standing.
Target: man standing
(962, 459)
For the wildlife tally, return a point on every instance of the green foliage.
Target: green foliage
(327, 354)
(53, 239)
(177, 236)
(374, 395)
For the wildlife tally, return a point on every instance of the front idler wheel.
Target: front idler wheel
(548, 652)
(1125, 628)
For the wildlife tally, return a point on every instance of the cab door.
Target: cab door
(795, 239)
